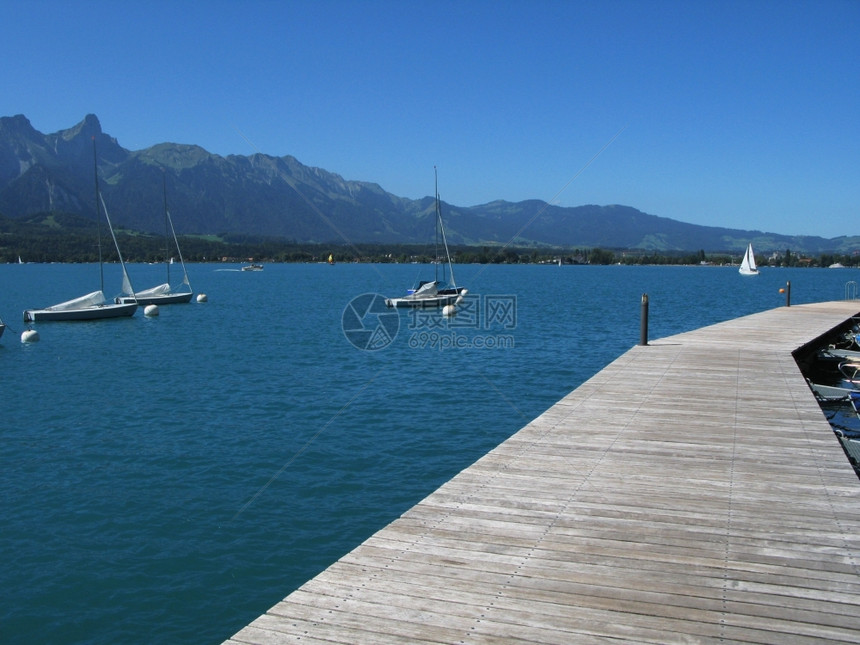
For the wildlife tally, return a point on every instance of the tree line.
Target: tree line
(40, 243)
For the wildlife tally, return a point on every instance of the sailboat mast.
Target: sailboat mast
(441, 227)
(436, 247)
(185, 279)
(98, 216)
(126, 281)
(447, 254)
(166, 229)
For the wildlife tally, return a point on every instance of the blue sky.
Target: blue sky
(736, 114)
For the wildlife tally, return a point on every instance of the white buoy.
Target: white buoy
(29, 336)
(449, 310)
(150, 310)
(201, 297)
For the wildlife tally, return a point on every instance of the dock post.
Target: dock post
(788, 293)
(643, 328)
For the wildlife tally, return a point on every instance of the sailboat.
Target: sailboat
(748, 266)
(430, 294)
(92, 306)
(164, 294)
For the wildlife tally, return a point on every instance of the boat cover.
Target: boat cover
(427, 289)
(160, 290)
(94, 299)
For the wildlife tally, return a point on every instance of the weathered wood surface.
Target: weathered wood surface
(692, 491)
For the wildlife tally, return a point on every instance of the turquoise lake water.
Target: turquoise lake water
(168, 479)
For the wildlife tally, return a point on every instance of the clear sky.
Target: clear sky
(744, 114)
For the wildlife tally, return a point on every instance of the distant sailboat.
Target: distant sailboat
(164, 294)
(92, 306)
(748, 266)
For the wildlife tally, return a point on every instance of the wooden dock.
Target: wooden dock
(690, 492)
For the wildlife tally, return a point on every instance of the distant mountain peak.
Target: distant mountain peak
(19, 120)
(16, 127)
(88, 128)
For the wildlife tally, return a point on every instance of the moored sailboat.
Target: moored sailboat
(431, 294)
(92, 306)
(164, 294)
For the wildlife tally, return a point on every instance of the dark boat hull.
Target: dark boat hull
(164, 299)
(98, 312)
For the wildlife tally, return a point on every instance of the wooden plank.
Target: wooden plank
(692, 491)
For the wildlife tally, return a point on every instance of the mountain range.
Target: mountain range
(263, 195)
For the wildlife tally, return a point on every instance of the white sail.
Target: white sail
(748, 266)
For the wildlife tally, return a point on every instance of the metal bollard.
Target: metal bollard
(643, 329)
(788, 293)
